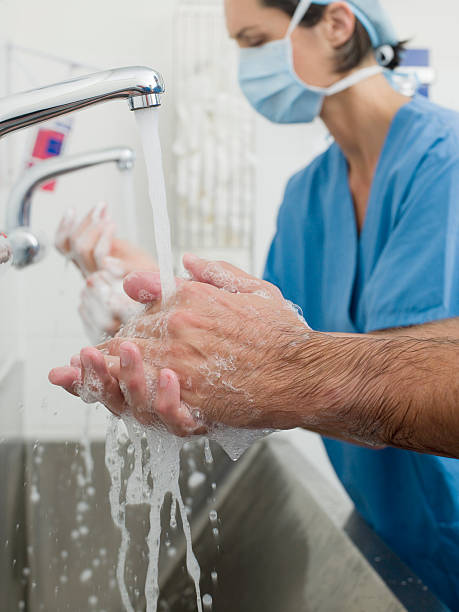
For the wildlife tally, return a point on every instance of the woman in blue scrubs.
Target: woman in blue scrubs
(367, 238)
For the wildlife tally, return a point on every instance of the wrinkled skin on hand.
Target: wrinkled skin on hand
(216, 354)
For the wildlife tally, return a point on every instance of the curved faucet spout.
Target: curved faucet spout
(141, 86)
(26, 247)
(20, 200)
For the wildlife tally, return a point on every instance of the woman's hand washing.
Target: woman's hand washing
(92, 245)
(104, 261)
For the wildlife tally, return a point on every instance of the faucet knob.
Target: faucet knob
(25, 246)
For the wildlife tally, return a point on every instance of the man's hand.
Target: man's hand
(220, 353)
(229, 349)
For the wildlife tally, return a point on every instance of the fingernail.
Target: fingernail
(125, 357)
(163, 380)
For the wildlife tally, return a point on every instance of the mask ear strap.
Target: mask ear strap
(300, 12)
(353, 79)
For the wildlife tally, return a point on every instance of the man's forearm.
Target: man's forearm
(400, 392)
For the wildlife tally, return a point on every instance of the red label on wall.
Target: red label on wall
(49, 142)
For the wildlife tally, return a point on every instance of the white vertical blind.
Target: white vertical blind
(214, 145)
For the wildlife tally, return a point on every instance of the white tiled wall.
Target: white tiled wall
(104, 35)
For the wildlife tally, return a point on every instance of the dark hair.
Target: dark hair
(354, 51)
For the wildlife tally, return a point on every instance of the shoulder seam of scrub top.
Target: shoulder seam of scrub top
(314, 165)
(423, 104)
(416, 102)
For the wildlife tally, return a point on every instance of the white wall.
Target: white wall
(106, 34)
(101, 34)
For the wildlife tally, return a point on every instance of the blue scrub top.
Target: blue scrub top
(403, 269)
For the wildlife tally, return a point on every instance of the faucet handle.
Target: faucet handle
(26, 247)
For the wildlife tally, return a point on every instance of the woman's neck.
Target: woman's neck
(359, 119)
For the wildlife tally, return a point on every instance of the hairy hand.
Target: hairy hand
(217, 354)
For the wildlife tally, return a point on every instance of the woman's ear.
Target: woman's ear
(338, 23)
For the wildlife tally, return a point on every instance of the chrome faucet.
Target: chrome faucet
(142, 87)
(25, 246)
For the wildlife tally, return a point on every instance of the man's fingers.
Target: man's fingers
(75, 361)
(132, 382)
(112, 347)
(143, 287)
(68, 377)
(98, 384)
(113, 364)
(222, 275)
(171, 410)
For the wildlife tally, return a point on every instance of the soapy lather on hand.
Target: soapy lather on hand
(182, 367)
(103, 260)
(228, 349)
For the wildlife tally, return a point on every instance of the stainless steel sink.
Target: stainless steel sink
(282, 545)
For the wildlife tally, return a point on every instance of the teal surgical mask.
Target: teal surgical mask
(268, 80)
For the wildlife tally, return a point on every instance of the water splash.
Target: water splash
(150, 481)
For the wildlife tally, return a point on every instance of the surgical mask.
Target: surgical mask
(268, 80)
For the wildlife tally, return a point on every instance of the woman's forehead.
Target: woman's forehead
(244, 14)
(240, 14)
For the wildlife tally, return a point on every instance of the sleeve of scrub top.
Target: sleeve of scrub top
(280, 266)
(416, 279)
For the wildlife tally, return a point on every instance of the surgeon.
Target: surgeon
(367, 242)
(368, 234)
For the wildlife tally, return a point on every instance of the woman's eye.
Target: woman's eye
(257, 42)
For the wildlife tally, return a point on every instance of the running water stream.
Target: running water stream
(156, 472)
(163, 466)
(148, 124)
